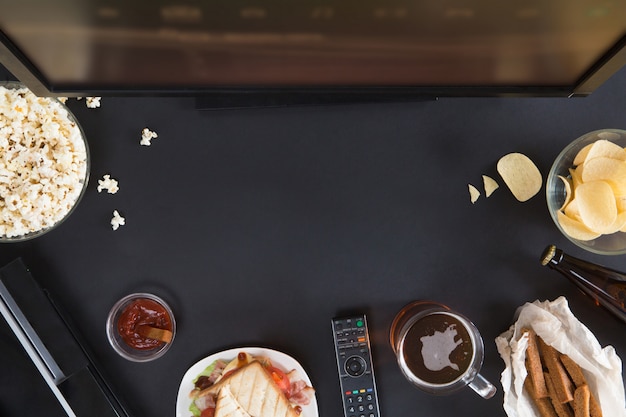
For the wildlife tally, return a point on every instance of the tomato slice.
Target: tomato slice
(281, 379)
(209, 412)
(227, 374)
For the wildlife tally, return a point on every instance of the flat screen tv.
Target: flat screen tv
(239, 51)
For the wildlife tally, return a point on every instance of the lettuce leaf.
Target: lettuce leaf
(194, 410)
(207, 372)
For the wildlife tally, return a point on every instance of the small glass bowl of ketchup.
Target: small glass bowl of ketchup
(141, 327)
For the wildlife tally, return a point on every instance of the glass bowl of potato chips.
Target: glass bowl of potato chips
(586, 191)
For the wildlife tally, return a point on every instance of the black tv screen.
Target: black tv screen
(384, 47)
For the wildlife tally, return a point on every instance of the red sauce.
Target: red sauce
(142, 312)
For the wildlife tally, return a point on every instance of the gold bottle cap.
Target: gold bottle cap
(548, 255)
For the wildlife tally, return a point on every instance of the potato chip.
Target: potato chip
(582, 155)
(604, 148)
(619, 188)
(618, 224)
(596, 202)
(474, 193)
(571, 210)
(575, 229)
(568, 191)
(577, 176)
(490, 185)
(621, 202)
(521, 175)
(604, 168)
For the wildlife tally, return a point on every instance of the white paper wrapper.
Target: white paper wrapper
(556, 325)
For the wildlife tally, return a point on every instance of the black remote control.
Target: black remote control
(354, 362)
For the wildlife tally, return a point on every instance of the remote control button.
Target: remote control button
(355, 366)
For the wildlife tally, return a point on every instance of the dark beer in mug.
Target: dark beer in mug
(438, 350)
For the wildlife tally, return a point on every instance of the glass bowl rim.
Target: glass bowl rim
(9, 84)
(126, 351)
(567, 154)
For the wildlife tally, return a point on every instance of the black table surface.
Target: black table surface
(258, 226)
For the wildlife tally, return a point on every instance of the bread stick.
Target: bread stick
(581, 401)
(543, 404)
(562, 409)
(563, 386)
(534, 366)
(576, 373)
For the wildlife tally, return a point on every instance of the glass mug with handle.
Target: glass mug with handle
(439, 350)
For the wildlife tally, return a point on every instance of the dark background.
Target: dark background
(258, 226)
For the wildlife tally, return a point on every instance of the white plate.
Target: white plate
(282, 361)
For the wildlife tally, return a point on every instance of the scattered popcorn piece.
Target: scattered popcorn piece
(109, 184)
(146, 137)
(62, 99)
(43, 162)
(117, 220)
(93, 102)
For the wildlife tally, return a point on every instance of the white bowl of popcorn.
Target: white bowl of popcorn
(44, 163)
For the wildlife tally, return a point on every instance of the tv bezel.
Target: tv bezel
(16, 62)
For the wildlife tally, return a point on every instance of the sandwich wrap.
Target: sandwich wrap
(556, 325)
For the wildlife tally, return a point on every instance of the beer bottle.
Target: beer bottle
(606, 286)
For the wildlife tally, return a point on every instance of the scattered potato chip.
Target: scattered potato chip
(490, 185)
(521, 175)
(474, 193)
